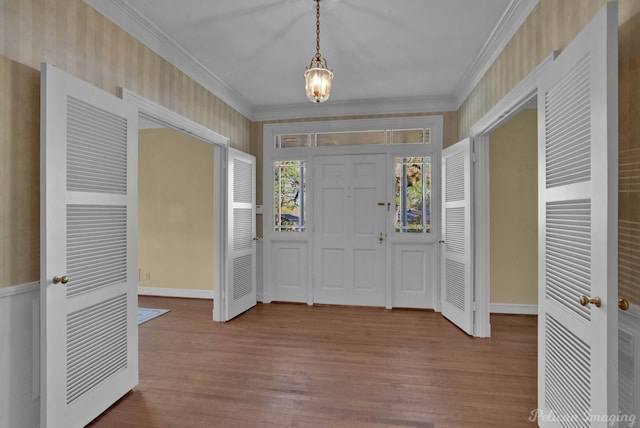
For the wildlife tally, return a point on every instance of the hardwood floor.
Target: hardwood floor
(283, 365)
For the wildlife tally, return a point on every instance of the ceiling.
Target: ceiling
(387, 56)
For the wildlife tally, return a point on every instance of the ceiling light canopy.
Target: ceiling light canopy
(318, 77)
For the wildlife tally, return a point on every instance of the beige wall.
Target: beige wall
(175, 211)
(514, 210)
(551, 26)
(74, 37)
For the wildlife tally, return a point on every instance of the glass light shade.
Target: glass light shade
(318, 81)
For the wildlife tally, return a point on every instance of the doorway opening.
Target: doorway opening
(175, 213)
(157, 114)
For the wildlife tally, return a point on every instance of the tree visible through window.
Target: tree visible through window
(413, 194)
(289, 196)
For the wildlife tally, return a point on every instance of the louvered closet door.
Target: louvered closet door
(240, 293)
(456, 283)
(577, 155)
(89, 341)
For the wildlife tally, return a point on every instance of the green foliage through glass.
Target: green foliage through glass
(289, 196)
(413, 194)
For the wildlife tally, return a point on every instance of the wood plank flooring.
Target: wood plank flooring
(282, 365)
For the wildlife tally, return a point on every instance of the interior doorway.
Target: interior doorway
(155, 113)
(175, 213)
(513, 170)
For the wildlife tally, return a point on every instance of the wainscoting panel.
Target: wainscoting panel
(20, 356)
(414, 275)
(629, 362)
(290, 274)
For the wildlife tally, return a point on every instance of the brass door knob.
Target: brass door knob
(60, 279)
(380, 238)
(623, 304)
(584, 301)
(441, 241)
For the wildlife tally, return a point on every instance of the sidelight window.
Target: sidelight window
(289, 196)
(413, 194)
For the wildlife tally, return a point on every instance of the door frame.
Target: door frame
(170, 119)
(504, 110)
(305, 239)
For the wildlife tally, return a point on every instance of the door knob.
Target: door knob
(60, 279)
(380, 238)
(623, 304)
(441, 241)
(584, 301)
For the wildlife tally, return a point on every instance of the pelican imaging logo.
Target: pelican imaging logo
(551, 416)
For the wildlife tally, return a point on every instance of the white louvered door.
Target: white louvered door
(89, 336)
(240, 293)
(577, 187)
(457, 268)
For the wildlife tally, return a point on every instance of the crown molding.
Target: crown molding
(121, 13)
(511, 20)
(428, 104)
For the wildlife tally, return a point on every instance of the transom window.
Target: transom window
(357, 138)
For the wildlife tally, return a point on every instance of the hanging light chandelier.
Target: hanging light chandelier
(318, 77)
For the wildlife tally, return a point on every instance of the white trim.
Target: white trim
(434, 149)
(121, 13)
(19, 289)
(502, 111)
(175, 292)
(482, 228)
(512, 308)
(514, 101)
(157, 113)
(354, 125)
(220, 143)
(510, 21)
(426, 104)
(133, 22)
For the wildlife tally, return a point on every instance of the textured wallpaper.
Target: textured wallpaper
(551, 26)
(77, 39)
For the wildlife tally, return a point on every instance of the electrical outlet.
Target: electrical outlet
(147, 276)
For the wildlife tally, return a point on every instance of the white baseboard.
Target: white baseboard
(512, 308)
(175, 292)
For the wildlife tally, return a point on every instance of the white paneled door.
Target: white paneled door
(89, 332)
(240, 293)
(350, 233)
(457, 268)
(577, 203)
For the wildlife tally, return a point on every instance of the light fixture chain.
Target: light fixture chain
(318, 56)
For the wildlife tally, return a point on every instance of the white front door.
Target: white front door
(577, 203)
(350, 234)
(240, 293)
(89, 332)
(457, 268)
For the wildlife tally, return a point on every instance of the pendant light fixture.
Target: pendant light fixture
(318, 77)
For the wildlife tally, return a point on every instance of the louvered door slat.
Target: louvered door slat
(89, 196)
(241, 287)
(457, 286)
(577, 208)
